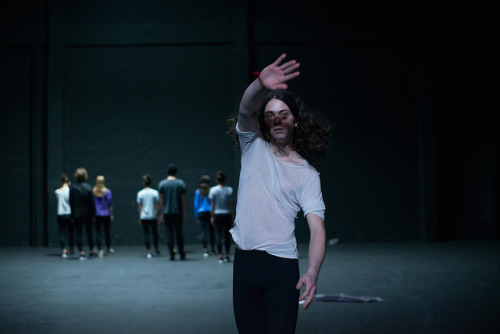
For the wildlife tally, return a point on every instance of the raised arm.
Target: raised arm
(273, 77)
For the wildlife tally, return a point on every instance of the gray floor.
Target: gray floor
(426, 288)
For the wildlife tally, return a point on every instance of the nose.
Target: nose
(277, 120)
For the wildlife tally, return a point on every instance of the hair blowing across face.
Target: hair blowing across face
(310, 137)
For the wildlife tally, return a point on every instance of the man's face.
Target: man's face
(279, 121)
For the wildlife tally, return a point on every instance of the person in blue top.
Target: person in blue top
(202, 208)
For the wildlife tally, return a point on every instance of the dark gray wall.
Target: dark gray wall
(126, 87)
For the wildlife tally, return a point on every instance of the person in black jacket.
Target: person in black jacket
(82, 210)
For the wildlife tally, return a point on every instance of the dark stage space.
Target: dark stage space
(449, 287)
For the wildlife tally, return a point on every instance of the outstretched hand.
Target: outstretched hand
(275, 76)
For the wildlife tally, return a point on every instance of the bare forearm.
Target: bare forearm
(249, 106)
(317, 251)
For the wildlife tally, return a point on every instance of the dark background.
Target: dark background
(125, 87)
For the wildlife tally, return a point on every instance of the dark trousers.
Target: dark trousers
(265, 298)
(174, 221)
(66, 229)
(79, 224)
(223, 224)
(147, 226)
(207, 230)
(100, 223)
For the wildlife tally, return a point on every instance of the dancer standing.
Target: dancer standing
(104, 214)
(82, 205)
(66, 227)
(222, 214)
(277, 136)
(148, 208)
(201, 204)
(173, 203)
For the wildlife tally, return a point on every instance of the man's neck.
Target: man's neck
(285, 153)
(171, 177)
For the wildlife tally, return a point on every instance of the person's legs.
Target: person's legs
(62, 232)
(79, 234)
(98, 231)
(154, 230)
(90, 237)
(107, 232)
(169, 225)
(211, 232)
(145, 231)
(281, 295)
(248, 293)
(179, 235)
(71, 235)
(265, 299)
(219, 228)
(204, 233)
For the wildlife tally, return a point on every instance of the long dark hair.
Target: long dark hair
(310, 138)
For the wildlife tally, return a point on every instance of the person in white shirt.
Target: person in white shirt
(277, 137)
(66, 227)
(222, 214)
(148, 208)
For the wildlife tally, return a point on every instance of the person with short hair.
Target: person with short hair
(82, 205)
(222, 215)
(66, 227)
(277, 137)
(148, 208)
(173, 205)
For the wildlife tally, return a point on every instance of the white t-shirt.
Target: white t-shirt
(148, 197)
(221, 197)
(270, 195)
(63, 207)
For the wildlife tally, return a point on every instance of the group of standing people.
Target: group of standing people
(213, 210)
(81, 206)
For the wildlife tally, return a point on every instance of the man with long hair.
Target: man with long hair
(277, 136)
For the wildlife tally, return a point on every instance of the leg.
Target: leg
(169, 225)
(204, 218)
(218, 233)
(281, 296)
(107, 232)
(79, 234)
(211, 231)
(204, 232)
(98, 232)
(90, 238)
(145, 232)
(62, 232)
(71, 234)
(154, 230)
(179, 236)
(248, 293)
